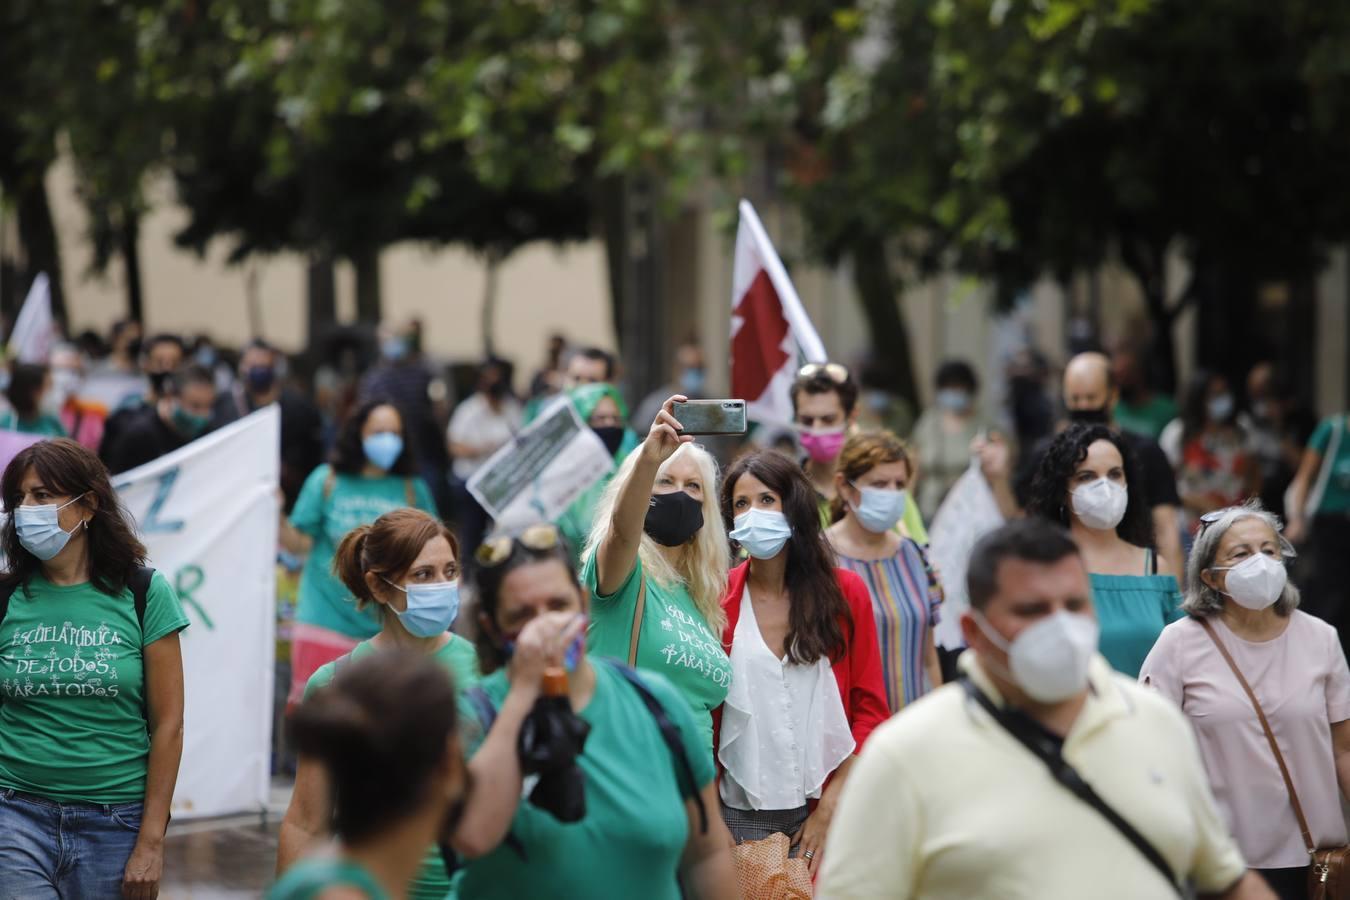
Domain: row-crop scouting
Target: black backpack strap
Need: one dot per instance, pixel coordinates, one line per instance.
(487, 716)
(139, 582)
(684, 771)
(1041, 747)
(6, 592)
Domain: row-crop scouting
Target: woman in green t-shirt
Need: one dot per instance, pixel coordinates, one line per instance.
(384, 736)
(372, 472)
(656, 566)
(91, 679)
(30, 397)
(405, 565)
(643, 833)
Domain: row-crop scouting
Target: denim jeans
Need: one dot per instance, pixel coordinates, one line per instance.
(64, 851)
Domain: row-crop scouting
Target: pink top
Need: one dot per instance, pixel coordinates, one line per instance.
(1303, 683)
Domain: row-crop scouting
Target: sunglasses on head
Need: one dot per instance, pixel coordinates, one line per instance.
(541, 538)
(834, 371)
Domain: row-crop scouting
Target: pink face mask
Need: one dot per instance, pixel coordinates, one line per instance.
(823, 446)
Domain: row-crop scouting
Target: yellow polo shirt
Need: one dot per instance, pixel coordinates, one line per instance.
(944, 803)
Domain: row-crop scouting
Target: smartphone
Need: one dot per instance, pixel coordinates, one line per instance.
(711, 416)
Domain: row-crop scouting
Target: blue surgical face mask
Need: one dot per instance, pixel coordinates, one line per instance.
(383, 449)
(762, 532)
(880, 508)
(692, 381)
(40, 531)
(431, 608)
(954, 400)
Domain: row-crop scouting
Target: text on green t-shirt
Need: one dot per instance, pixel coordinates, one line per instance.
(674, 640)
(72, 720)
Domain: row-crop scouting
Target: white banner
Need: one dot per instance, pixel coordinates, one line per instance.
(208, 514)
(968, 513)
(544, 468)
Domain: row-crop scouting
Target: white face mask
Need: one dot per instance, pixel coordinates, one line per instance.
(1048, 660)
(1101, 504)
(1255, 583)
(880, 508)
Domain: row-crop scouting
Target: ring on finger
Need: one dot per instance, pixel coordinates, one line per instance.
(809, 854)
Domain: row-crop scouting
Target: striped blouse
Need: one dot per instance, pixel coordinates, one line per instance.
(906, 610)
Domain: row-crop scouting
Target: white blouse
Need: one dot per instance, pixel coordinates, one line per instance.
(784, 729)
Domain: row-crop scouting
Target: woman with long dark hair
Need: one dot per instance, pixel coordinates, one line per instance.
(806, 684)
(1089, 482)
(91, 677)
(372, 471)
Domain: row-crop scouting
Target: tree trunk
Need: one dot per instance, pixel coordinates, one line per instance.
(489, 311)
(367, 264)
(37, 234)
(1148, 263)
(885, 319)
(321, 288)
(129, 236)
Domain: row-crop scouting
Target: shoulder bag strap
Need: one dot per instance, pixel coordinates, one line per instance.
(409, 493)
(637, 620)
(1270, 737)
(1068, 776)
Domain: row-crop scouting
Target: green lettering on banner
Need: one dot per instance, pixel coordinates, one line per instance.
(190, 578)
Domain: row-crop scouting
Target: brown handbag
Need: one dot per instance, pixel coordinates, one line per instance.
(1329, 875)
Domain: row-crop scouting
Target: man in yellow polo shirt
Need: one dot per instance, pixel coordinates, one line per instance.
(945, 802)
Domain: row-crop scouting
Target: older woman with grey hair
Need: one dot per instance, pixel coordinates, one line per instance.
(1241, 605)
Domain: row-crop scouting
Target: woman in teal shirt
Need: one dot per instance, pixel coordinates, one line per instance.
(642, 834)
(1088, 482)
(406, 566)
(384, 735)
(30, 386)
(372, 472)
(656, 566)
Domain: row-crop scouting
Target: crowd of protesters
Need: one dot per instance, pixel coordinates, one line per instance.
(724, 651)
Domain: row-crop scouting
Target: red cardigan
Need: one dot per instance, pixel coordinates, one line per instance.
(858, 672)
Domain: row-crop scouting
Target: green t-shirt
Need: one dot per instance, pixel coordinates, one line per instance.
(1148, 419)
(674, 640)
(630, 841)
(1336, 499)
(354, 500)
(43, 424)
(461, 660)
(72, 722)
(311, 877)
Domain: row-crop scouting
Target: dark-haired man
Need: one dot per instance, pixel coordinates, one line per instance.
(824, 409)
(956, 798)
(182, 414)
(589, 365)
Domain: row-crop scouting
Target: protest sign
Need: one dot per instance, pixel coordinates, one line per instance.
(968, 513)
(34, 330)
(544, 468)
(208, 515)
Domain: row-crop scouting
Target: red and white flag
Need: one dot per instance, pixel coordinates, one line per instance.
(771, 334)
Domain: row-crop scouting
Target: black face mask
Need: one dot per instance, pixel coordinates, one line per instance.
(611, 436)
(1099, 416)
(159, 382)
(673, 519)
(497, 390)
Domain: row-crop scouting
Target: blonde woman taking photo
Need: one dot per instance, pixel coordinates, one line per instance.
(656, 565)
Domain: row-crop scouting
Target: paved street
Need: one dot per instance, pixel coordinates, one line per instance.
(224, 859)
